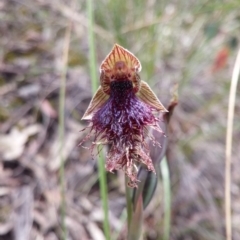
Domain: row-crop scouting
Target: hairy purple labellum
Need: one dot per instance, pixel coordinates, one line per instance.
(123, 115)
(121, 112)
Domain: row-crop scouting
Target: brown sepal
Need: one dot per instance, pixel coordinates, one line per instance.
(148, 96)
(97, 101)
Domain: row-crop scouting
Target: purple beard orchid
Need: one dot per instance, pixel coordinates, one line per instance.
(121, 113)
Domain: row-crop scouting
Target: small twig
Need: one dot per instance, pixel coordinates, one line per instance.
(231, 105)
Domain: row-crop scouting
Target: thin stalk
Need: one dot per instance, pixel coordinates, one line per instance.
(123, 218)
(136, 229)
(92, 55)
(128, 202)
(104, 194)
(167, 198)
(231, 105)
(93, 74)
(61, 127)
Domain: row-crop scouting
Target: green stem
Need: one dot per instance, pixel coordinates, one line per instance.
(104, 195)
(128, 202)
(101, 167)
(92, 56)
(61, 129)
(167, 198)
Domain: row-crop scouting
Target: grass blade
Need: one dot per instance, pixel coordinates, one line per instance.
(92, 55)
(231, 105)
(61, 127)
(167, 198)
(93, 74)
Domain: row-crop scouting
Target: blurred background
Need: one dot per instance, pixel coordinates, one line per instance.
(192, 43)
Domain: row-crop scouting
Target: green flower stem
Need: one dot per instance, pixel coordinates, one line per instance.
(128, 202)
(135, 230)
(93, 74)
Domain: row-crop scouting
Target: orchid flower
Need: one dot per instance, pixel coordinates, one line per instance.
(121, 113)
